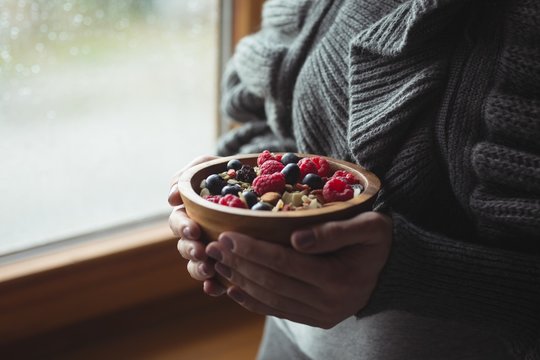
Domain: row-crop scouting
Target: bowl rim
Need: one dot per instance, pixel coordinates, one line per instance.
(186, 190)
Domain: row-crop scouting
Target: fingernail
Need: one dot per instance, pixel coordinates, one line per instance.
(227, 242)
(236, 295)
(214, 253)
(187, 233)
(304, 239)
(223, 270)
(203, 269)
(192, 253)
(173, 190)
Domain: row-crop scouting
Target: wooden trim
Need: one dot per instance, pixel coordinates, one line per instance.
(247, 18)
(52, 291)
(191, 325)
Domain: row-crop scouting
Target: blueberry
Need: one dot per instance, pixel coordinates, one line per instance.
(234, 164)
(231, 189)
(292, 173)
(262, 206)
(214, 184)
(250, 197)
(313, 181)
(289, 158)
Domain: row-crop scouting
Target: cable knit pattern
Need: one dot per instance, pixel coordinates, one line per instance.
(507, 198)
(386, 94)
(441, 99)
(408, 26)
(500, 165)
(513, 119)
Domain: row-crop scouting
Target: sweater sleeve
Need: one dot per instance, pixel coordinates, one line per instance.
(250, 82)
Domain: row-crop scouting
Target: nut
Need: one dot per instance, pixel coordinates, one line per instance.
(271, 197)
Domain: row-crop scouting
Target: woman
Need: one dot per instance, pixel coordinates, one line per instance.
(441, 99)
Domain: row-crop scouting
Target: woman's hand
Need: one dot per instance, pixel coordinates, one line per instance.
(190, 247)
(327, 275)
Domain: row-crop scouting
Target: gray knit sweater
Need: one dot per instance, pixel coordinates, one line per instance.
(441, 99)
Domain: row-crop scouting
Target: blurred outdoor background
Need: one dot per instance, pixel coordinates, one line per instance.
(100, 103)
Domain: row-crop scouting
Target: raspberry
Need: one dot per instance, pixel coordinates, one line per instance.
(269, 183)
(213, 198)
(278, 157)
(265, 156)
(271, 166)
(231, 173)
(337, 189)
(232, 201)
(346, 176)
(307, 166)
(323, 168)
(246, 174)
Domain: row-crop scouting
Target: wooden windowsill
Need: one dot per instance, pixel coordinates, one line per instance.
(54, 290)
(190, 325)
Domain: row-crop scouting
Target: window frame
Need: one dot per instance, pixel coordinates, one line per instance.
(87, 279)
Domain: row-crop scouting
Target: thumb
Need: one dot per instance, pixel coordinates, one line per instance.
(365, 229)
(174, 196)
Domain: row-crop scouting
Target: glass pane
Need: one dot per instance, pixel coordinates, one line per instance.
(100, 102)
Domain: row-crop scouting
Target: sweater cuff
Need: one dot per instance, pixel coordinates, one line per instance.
(431, 275)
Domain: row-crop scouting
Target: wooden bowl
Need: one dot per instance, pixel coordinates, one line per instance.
(267, 225)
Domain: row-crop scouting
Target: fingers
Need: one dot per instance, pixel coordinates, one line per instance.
(182, 226)
(254, 279)
(296, 312)
(239, 250)
(192, 250)
(213, 287)
(174, 195)
(367, 228)
(189, 246)
(200, 270)
(174, 198)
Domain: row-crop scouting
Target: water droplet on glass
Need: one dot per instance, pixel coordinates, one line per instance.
(68, 6)
(6, 56)
(74, 51)
(36, 69)
(78, 19)
(14, 32)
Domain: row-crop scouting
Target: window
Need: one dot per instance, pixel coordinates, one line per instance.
(100, 102)
(41, 291)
